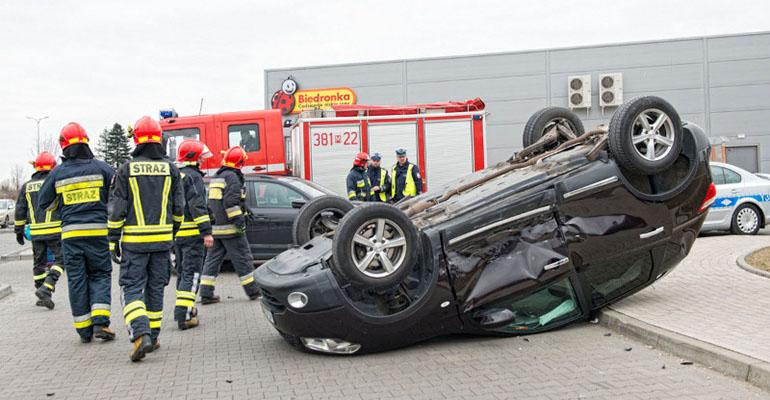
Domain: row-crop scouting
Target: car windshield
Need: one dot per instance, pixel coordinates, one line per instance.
(4, 204)
(310, 188)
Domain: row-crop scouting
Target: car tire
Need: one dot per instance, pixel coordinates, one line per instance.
(319, 216)
(6, 222)
(375, 247)
(543, 120)
(647, 117)
(746, 220)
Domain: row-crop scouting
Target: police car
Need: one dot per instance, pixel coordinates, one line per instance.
(743, 201)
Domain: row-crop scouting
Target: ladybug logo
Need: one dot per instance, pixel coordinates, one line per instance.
(284, 99)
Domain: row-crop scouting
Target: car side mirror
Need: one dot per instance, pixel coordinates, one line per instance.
(299, 203)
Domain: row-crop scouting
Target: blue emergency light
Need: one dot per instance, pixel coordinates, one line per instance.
(168, 113)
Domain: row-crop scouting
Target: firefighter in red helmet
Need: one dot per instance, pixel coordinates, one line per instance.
(227, 196)
(359, 187)
(194, 235)
(44, 230)
(145, 210)
(78, 189)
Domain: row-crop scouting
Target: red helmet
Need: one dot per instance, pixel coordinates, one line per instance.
(72, 133)
(146, 130)
(192, 151)
(44, 161)
(361, 159)
(234, 157)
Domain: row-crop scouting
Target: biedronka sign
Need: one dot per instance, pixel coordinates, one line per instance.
(322, 99)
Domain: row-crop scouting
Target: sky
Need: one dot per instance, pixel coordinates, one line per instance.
(98, 62)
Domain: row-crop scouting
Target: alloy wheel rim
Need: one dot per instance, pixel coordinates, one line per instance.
(378, 248)
(652, 134)
(747, 220)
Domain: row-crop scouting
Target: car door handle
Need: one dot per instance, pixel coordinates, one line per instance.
(651, 233)
(556, 264)
(733, 190)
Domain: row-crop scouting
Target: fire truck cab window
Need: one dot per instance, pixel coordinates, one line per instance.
(246, 136)
(174, 137)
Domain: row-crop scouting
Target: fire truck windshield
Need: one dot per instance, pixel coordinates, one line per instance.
(173, 137)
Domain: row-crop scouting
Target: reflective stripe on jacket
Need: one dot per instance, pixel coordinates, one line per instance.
(196, 221)
(227, 203)
(43, 224)
(78, 189)
(358, 185)
(409, 187)
(380, 175)
(146, 202)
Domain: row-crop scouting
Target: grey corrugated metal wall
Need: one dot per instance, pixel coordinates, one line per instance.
(721, 83)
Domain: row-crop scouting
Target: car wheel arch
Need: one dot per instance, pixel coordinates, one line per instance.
(756, 205)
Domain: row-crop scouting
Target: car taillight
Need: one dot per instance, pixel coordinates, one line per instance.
(711, 195)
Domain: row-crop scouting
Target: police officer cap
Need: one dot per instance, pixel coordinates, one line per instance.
(376, 157)
(401, 151)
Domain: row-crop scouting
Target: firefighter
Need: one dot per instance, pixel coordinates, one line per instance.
(146, 208)
(358, 185)
(406, 178)
(379, 178)
(227, 196)
(194, 235)
(78, 188)
(44, 230)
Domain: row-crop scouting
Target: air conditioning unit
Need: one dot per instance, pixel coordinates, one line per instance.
(579, 91)
(610, 90)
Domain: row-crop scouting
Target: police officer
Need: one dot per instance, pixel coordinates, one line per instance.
(146, 207)
(406, 178)
(227, 196)
(357, 182)
(194, 235)
(79, 188)
(44, 230)
(379, 179)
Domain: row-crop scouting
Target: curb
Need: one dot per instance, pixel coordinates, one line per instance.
(748, 268)
(16, 255)
(5, 290)
(728, 362)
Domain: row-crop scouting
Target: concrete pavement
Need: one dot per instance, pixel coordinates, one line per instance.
(236, 354)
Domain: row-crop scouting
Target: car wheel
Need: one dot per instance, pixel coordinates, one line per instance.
(376, 246)
(6, 222)
(746, 220)
(319, 216)
(645, 135)
(566, 123)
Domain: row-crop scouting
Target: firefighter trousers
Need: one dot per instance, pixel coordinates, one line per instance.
(89, 279)
(240, 255)
(143, 277)
(40, 271)
(190, 253)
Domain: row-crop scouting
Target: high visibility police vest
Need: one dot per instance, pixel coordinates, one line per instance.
(410, 188)
(383, 196)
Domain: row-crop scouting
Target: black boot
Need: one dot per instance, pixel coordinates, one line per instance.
(44, 294)
(209, 300)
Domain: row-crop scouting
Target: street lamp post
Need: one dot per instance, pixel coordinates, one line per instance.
(37, 120)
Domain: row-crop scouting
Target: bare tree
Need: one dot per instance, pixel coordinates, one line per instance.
(49, 143)
(18, 176)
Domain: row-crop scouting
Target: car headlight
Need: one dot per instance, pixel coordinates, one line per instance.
(330, 345)
(297, 299)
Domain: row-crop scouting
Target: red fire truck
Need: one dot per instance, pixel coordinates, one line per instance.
(446, 140)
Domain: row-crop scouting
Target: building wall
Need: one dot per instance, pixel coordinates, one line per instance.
(721, 83)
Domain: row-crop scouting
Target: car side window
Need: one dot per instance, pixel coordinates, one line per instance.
(273, 195)
(731, 176)
(245, 135)
(717, 175)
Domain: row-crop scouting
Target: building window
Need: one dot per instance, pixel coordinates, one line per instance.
(246, 136)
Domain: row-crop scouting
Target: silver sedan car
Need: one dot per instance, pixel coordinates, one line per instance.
(742, 205)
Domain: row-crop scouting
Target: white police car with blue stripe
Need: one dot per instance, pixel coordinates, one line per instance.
(742, 205)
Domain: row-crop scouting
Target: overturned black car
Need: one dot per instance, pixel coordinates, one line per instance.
(572, 223)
